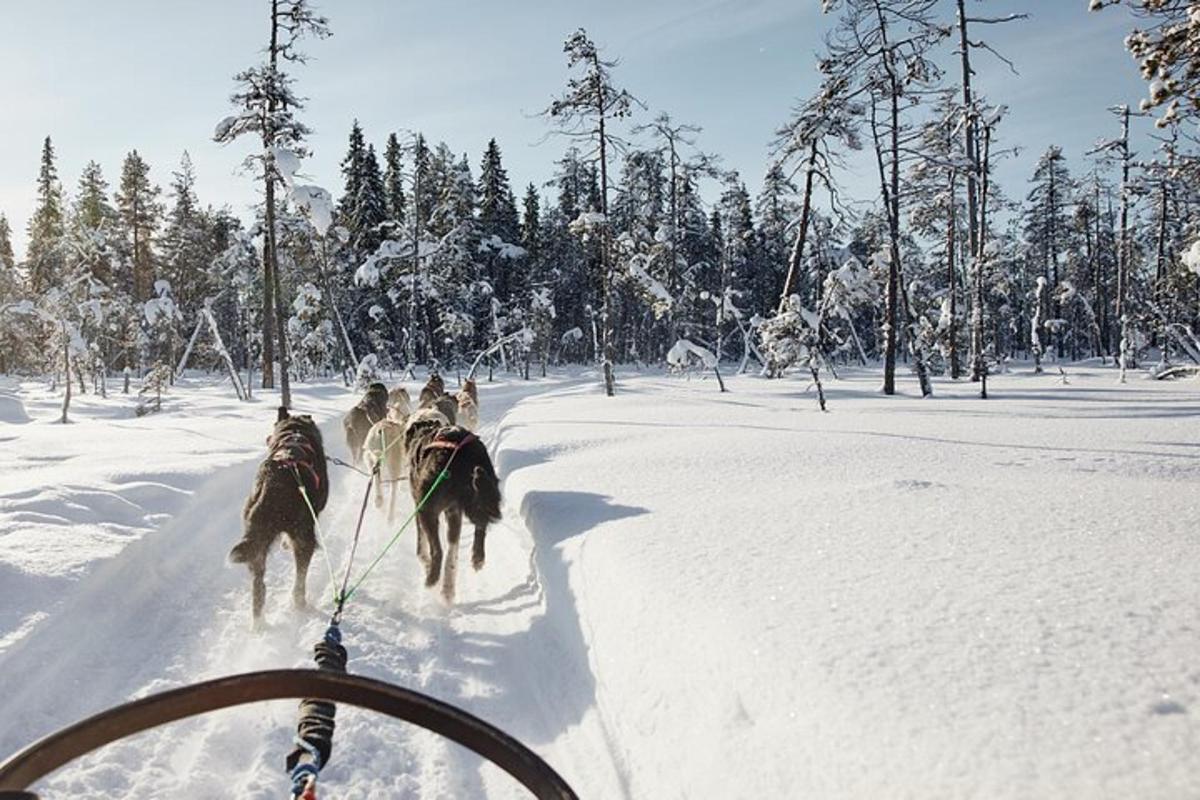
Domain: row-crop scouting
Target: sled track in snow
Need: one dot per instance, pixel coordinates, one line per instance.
(169, 611)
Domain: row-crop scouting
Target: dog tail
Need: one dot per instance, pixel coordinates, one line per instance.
(241, 552)
(487, 496)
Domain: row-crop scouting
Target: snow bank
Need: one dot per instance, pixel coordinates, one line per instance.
(925, 598)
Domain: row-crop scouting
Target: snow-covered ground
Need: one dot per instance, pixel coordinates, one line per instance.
(691, 595)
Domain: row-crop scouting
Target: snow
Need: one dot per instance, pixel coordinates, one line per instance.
(663, 298)
(317, 205)
(679, 353)
(503, 249)
(691, 594)
(225, 126)
(287, 163)
(1191, 258)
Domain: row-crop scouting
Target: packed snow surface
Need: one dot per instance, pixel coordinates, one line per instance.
(692, 594)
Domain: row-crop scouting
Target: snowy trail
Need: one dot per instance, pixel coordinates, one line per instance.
(692, 594)
(505, 652)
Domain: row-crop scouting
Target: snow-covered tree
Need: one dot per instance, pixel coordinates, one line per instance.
(267, 108)
(140, 213)
(586, 111)
(45, 255)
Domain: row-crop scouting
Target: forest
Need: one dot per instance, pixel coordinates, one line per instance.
(644, 248)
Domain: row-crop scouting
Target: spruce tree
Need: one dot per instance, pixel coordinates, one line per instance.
(776, 208)
(45, 257)
(498, 225)
(137, 202)
(370, 209)
(8, 263)
(1046, 221)
(186, 244)
(531, 222)
(94, 226)
(393, 180)
(497, 205)
(352, 174)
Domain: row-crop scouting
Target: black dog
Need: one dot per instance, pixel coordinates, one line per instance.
(357, 424)
(275, 505)
(471, 488)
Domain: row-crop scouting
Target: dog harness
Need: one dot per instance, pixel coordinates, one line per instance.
(449, 444)
(284, 454)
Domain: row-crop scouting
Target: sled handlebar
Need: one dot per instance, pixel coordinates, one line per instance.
(48, 754)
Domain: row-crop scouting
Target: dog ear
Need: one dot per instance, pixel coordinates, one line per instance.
(283, 414)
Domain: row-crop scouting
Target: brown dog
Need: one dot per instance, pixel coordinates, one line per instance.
(372, 408)
(470, 489)
(276, 506)
(434, 388)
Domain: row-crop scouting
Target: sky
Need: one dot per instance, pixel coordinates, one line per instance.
(105, 78)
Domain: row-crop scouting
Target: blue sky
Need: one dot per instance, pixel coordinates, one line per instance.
(104, 78)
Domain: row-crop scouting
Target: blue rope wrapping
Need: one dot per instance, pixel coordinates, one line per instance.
(314, 734)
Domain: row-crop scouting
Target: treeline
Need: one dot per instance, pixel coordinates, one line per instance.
(429, 256)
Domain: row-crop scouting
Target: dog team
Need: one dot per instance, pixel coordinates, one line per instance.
(395, 443)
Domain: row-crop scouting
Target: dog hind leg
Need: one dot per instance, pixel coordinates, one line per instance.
(428, 522)
(302, 548)
(453, 532)
(258, 586)
(477, 554)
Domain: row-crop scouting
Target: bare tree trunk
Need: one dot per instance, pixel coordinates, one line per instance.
(978, 358)
(187, 351)
(285, 389)
(66, 339)
(268, 314)
(970, 136)
(242, 390)
(1037, 324)
(952, 284)
(797, 254)
(413, 303)
(344, 339)
(605, 240)
(889, 313)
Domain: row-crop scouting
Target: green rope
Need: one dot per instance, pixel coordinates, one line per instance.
(317, 530)
(438, 482)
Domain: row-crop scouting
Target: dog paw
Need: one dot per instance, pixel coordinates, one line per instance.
(477, 561)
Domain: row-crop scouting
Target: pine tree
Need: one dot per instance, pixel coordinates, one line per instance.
(370, 206)
(499, 226)
(497, 206)
(8, 263)
(186, 245)
(1046, 220)
(268, 107)
(531, 223)
(586, 110)
(882, 49)
(775, 207)
(393, 180)
(94, 227)
(137, 202)
(44, 258)
(352, 174)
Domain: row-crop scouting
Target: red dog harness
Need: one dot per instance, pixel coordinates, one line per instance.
(439, 443)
